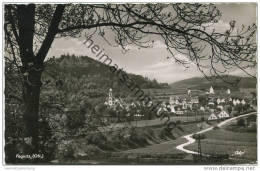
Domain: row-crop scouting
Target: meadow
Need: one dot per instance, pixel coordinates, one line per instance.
(240, 146)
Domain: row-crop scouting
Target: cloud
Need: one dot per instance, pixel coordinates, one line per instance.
(185, 59)
(167, 71)
(220, 26)
(69, 46)
(157, 44)
(160, 65)
(149, 62)
(239, 72)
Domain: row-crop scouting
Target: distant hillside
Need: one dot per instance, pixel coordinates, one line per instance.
(94, 74)
(200, 83)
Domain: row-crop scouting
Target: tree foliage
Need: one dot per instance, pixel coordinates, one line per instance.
(184, 28)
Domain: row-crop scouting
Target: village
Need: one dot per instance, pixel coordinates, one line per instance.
(127, 83)
(208, 106)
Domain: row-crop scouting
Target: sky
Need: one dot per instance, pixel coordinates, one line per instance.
(153, 62)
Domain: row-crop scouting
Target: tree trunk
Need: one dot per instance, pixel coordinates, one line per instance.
(32, 74)
(32, 84)
(33, 66)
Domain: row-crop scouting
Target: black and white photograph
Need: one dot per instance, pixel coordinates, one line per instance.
(129, 83)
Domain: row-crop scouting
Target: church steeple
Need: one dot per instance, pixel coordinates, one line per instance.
(211, 90)
(110, 97)
(189, 92)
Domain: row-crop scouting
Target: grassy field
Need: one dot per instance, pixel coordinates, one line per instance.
(153, 122)
(169, 147)
(148, 145)
(222, 141)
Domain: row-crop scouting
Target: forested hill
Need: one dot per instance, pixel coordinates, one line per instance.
(201, 83)
(95, 74)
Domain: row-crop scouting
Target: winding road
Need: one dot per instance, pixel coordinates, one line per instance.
(192, 140)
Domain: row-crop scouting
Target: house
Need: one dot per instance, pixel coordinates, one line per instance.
(218, 101)
(189, 93)
(138, 103)
(243, 102)
(212, 117)
(168, 107)
(163, 104)
(194, 100)
(189, 105)
(202, 108)
(184, 104)
(177, 101)
(179, 111)
(223, 114)
(172, 109)
(138, 115)
(228, 91)
(118, 102)
(161, 109)
(211, 103)
(133, 104)
(220, 107)
(234, 102)
(172, 100)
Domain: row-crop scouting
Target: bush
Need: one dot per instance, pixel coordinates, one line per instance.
(178, 122)
(92, 150)
(138, 136)
(65, 150)
(241, 122)
(197, 136)
(163, 133)
(215, 127)
(252, 128)
(98, 139)
(75, 120)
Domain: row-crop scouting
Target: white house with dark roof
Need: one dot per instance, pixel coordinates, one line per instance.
(234, 102)
(223, 114)
(212, 117)
(202, 108)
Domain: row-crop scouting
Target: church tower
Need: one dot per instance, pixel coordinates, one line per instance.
(211, 90)
(110, 97)
(189, 93)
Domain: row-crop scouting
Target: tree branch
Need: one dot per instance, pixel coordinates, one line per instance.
(52, 31)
